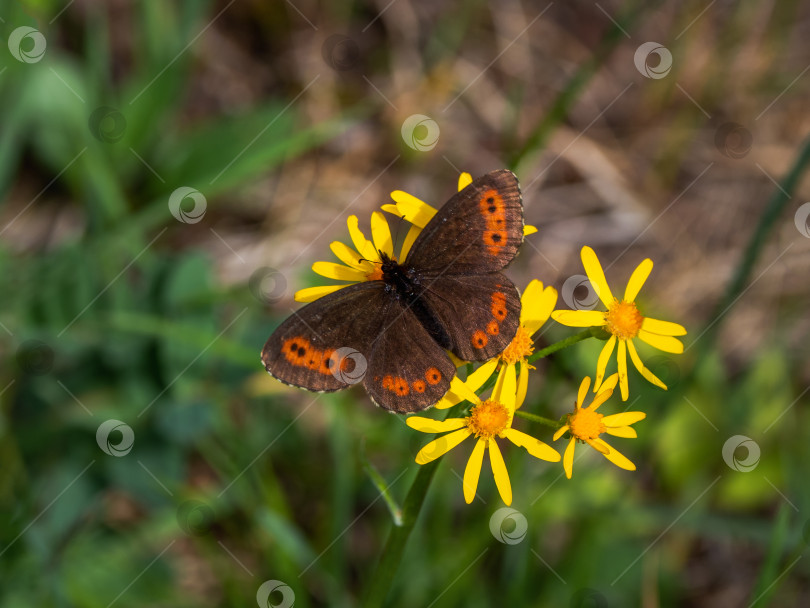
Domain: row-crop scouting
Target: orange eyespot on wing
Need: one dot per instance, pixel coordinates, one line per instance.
(495, 240)
(479, 339)
(433, 376)
(479, 230)
(498, 307)
(401, 386)
(490, 317)
(459, 302)
(493, 211)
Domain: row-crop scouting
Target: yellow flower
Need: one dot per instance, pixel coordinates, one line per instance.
(624, 322)
(363, 262)
(536, 305)
(487, 420)
(359, 264)
(584, 424)
(419, 213)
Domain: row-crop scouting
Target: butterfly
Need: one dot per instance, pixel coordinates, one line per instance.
(392, 334)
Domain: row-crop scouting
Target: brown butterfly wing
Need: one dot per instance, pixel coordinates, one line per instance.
(306, 348)
(479, 230)
(407, 370)
(361, 333)
(479, 314)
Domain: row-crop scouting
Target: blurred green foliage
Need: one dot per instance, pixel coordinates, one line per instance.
(230, 483)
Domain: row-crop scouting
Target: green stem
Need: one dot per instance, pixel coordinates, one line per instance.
(380, 581)
(555, 424)
(553, 348)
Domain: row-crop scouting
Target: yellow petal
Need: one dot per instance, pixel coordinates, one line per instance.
(665, 328)
(622, 431)
(532, 445)
(610, 383)
(428, 425)
(618, 458)
(413, 232)
(583, 390)
(537, 305)
(623, 419)
(579, 318)
(339, 272)
(637, 280)
(381, 234)
(601, 363)
(523, 385)
(456, 361)
(412, 209)
(596, 275)
(459, 391)
(600, 398)
(527, 230)
(477, 379)
(350, 257)
(310, 294)
(648, 375)
(621, 357)
(506, 387)
(668, 344)
(500, 472)
(441, 445)
(568, 458)
(393, 209)
(464, 180)
(599, 446)
(559, 432)
(364, 247)
(473, 470)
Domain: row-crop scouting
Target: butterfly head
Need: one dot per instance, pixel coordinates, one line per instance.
(388, 263)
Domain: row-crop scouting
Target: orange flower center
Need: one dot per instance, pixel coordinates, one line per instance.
(376, 274)
(488, 419)
(623, 319)
(586, 424)
(520, 347)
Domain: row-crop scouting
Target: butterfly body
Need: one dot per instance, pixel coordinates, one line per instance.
(392, 332)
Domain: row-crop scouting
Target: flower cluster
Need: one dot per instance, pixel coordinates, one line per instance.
(505, 378)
